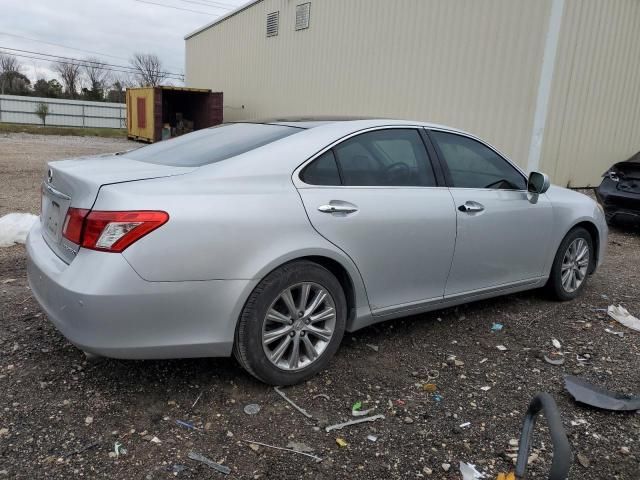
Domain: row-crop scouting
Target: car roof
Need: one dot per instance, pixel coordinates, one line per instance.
(355, 121)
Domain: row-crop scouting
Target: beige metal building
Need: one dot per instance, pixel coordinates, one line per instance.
(554, 84)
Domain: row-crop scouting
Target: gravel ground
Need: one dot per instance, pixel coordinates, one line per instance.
(55, 404)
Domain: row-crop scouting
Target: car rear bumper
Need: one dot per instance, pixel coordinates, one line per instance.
(104, 307)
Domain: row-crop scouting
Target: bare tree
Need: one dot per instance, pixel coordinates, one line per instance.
(70, 76)
(148, 69)
(97, 77)
(9, 70)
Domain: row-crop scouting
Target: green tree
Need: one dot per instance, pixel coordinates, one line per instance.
(42, 110)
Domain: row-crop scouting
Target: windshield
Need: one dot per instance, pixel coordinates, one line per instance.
(211, 145)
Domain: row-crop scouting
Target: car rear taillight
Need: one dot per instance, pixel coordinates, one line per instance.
(73, 222)
(110, 231)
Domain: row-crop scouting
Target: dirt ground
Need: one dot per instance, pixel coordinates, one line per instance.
(61, 416)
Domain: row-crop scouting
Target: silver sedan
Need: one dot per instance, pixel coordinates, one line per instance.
(270, 239)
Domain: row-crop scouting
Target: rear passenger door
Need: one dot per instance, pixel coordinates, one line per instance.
(375, 196)
(503, 231)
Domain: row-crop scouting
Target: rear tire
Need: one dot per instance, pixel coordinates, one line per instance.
(571, 265)
(283, 337)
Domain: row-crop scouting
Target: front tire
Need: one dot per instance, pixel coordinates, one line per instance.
(571, 266)
(292, 324)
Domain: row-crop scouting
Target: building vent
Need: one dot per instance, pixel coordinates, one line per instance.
(272, 24)
(303, 11)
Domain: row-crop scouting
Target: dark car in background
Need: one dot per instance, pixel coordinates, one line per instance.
(619, 192)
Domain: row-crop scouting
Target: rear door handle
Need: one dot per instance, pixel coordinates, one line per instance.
(338, 208)
(471, 207)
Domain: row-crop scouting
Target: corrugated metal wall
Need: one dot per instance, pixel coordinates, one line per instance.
(471, 64)
(67, 113)
(594, 114)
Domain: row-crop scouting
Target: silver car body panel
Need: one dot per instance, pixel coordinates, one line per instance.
(179, 291)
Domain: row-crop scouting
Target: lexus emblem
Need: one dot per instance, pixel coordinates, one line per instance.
(50, 176)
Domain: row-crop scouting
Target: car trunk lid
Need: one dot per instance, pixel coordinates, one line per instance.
(76, 183)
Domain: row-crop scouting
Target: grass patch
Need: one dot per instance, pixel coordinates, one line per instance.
(74, 131)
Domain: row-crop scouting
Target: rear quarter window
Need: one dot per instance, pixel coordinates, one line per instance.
(211, 145)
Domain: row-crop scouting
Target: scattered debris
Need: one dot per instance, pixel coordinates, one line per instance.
(375, 348)
(362, 413)
(446, 466)
(485, 389)
(186, 425)
(506, 476)
(356, 406)
(556, 343)
(621, 315)
(583, 460)
(77, 451)
(502, 348)
(437, 397)
(197, 399)
(292, 403)
(585, 392)
(429, 387)
(469, 472)
(155, 440)
(554, 360)
(251, 442)
(613, 332)
(465, 424)
(339, 426)
(299, 447)
(341, 442)
(119, 449)
(482, 361)
(321, 395)
(88, 420)
(252, 409)
(178, 468)
(625, 450)
(408, 420)
(496, 327)
(372, 438)
(210, 463)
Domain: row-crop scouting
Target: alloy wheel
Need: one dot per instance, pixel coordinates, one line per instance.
(298, 326)
(575, 264)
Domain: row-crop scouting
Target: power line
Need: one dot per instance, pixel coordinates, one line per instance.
(223, 4)
(81, 64)
(175, 8)
(65, 46)
(88, 62)
(205, 5)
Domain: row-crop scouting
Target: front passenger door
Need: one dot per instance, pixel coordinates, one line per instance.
(503, 231)
(375, 196)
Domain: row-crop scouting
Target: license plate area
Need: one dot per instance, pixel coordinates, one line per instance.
(54, 209)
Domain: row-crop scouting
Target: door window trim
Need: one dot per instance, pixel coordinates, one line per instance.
(445, 168)
(440, 181)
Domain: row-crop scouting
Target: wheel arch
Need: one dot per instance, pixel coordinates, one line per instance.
(340, 266)
(593, 231)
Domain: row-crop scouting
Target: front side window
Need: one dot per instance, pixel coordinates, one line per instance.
(474, 165)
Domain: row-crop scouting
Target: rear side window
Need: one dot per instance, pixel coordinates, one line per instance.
(322, 171)
(389, 157)
(211, 145)
(474, 165)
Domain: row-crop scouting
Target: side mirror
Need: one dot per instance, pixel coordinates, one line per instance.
(538, 182)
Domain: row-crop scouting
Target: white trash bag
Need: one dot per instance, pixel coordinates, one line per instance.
(621, 314)
(14, 228)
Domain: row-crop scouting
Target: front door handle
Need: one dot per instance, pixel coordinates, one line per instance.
(471, 207)
(337, 208)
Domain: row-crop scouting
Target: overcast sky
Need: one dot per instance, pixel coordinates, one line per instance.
(113, 29)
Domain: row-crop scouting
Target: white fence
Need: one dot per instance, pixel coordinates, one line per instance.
(67, 113)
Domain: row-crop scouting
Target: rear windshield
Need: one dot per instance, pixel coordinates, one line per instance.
(211, 145)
